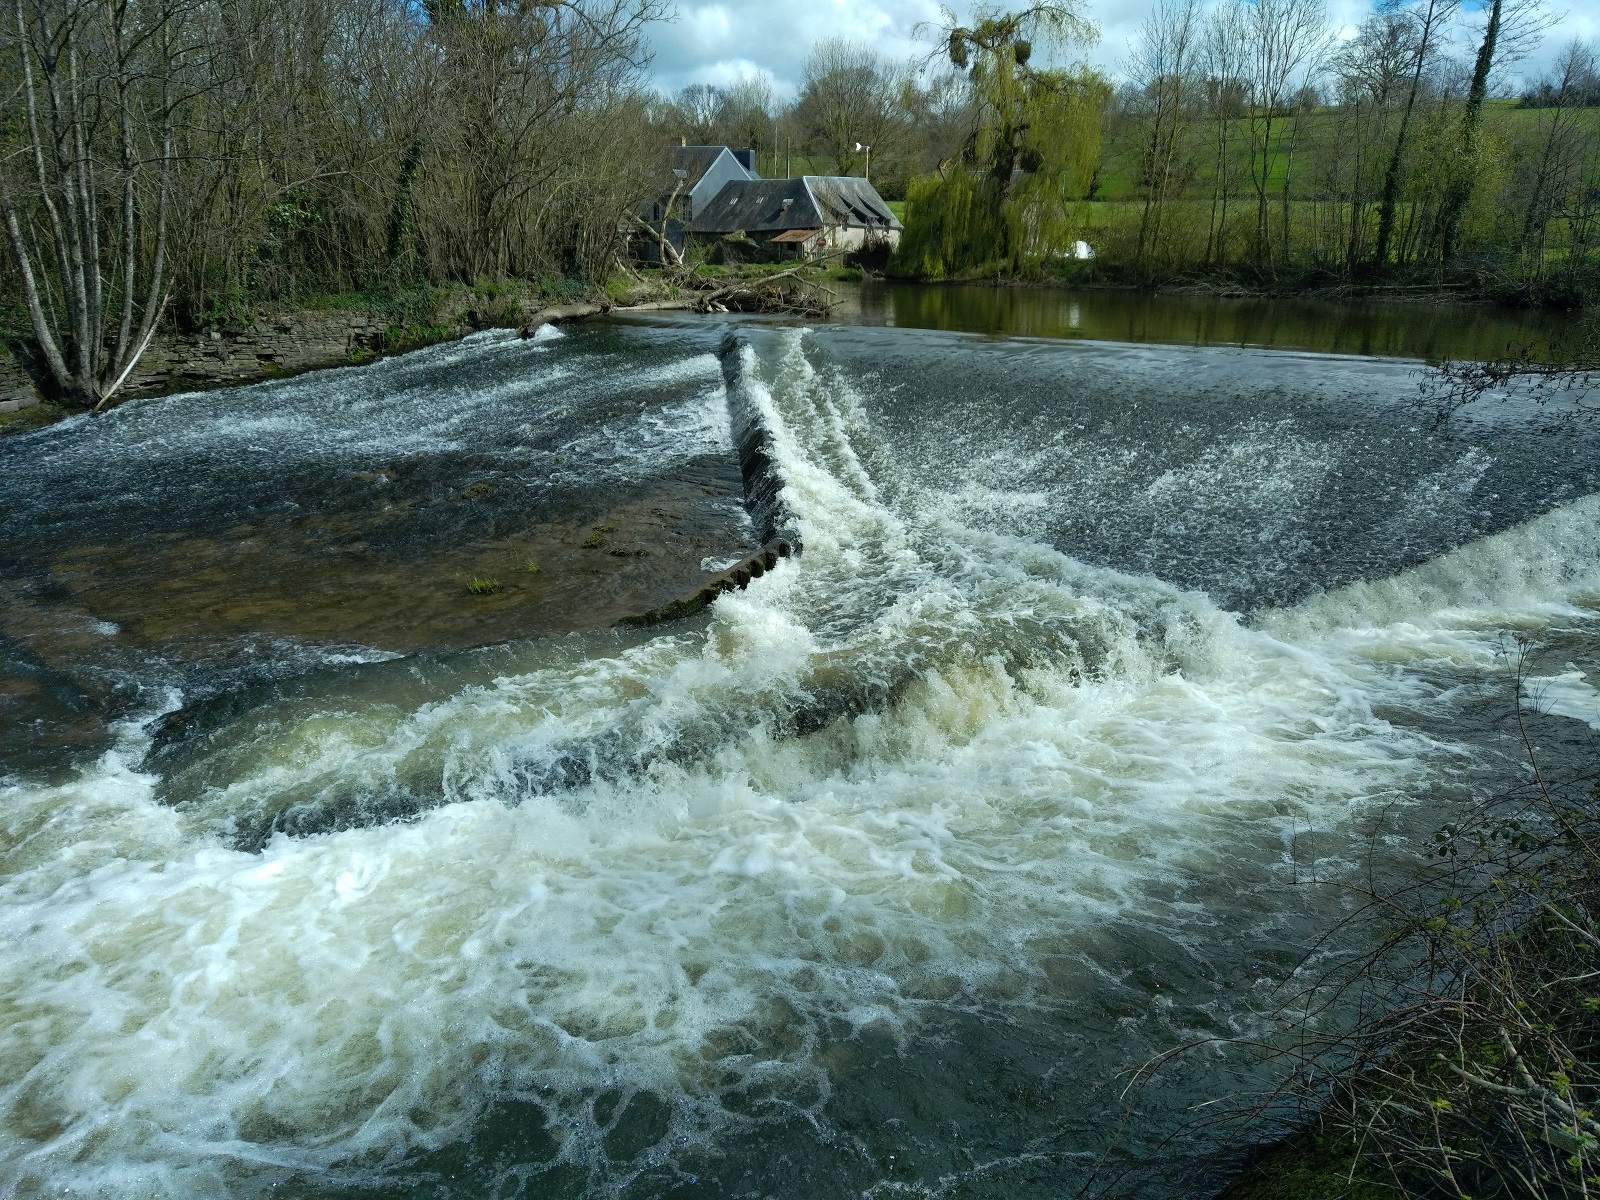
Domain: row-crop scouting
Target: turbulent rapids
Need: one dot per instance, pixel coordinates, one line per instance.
(872, 878)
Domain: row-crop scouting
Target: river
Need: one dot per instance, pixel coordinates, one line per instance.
(1104, 668)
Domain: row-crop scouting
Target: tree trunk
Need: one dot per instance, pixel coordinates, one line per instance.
(80, 66)
(1391, 175)
(1459, 192)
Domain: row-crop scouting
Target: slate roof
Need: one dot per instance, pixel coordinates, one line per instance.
(815, 202)
(850, 200)
(759, 205)
(694, 161)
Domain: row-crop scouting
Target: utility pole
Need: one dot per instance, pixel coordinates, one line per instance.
(868, 149)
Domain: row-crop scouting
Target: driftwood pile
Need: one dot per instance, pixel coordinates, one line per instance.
(786, 292)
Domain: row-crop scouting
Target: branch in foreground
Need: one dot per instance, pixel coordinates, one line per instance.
(1568, 370)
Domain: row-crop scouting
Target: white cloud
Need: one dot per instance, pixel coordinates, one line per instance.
(721, 41)
(717, 41)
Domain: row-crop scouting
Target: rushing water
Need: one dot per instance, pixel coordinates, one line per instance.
(874, 879)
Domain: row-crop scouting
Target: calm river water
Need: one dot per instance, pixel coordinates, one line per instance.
(874, 880)
(1365, 327)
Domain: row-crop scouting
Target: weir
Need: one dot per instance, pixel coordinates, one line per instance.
(184, 742)
(1103, 677)
(753, 438)
(777, 528)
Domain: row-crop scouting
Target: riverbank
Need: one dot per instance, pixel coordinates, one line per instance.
(349, 330)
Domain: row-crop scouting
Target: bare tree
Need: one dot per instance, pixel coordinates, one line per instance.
(1509, 30)
(1559, 152)
(851, 96)
(1287, 39)
(746, 117)
(1226, 95)
(939, 108)
(699, 109)
(1373, 73)
(522, 79)
(1163, 70)
(1427, 21)
(86, 188)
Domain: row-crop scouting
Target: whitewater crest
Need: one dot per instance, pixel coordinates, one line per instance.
(651, 885)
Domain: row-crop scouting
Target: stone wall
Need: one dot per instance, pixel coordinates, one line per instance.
(278, 345)
(16, 389)
(281, 344)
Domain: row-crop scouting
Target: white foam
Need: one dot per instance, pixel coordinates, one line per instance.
(1013, 749)
(1565, 695)
(197, 1004)
(1458, 607)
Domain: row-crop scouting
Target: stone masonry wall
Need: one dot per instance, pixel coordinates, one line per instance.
(281, 344)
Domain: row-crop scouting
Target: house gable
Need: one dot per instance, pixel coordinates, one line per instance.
(706, 171)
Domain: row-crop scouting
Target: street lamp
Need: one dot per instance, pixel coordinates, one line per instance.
(868, 149)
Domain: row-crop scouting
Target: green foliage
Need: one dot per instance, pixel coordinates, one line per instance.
(559, 289)
(1311, 1166)
(293, 214)
(953, 224)
(397, 339)
(483, 587)
(497, 304)
(1006, 203)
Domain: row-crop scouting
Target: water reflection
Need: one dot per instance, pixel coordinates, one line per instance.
(1374, 328)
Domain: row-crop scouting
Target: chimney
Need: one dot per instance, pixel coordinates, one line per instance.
(747, 160)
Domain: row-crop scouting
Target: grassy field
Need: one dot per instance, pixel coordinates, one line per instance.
(1119, 158)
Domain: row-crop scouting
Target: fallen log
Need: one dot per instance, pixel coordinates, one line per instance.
(562, 313)
(797, 295)
(559, 313)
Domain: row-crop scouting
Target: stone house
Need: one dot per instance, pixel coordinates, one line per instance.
(801, 218)
(723, 201)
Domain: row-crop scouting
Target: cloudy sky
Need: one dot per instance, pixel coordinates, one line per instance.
(719, 41)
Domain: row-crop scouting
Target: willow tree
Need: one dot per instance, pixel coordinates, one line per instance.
(1004, 202)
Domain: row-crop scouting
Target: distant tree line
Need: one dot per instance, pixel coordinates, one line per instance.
(1245, 141)
(189, 160)
(850, 95)
(192, 158)
(1255, 141)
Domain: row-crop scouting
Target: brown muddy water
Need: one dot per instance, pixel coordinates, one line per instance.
(1106, 667)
